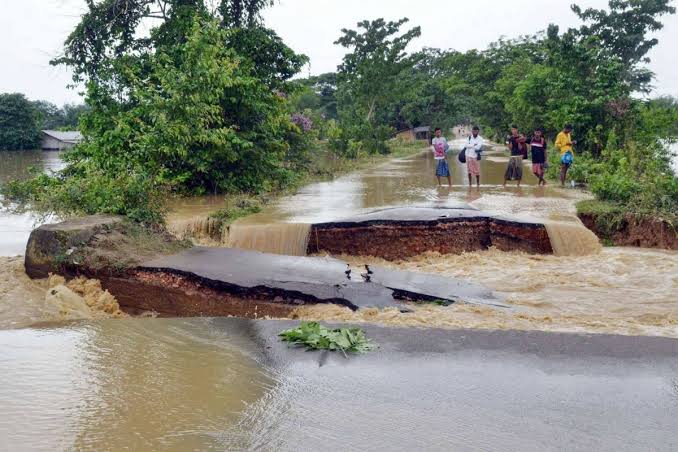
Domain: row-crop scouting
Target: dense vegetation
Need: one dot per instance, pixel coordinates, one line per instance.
(18, 122)
(22, 120)
(205, 102)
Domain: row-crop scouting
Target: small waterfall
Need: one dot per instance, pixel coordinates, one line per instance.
(204, 230)
(571, 238)
(281, 238)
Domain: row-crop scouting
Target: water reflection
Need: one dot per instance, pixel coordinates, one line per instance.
(139, 384)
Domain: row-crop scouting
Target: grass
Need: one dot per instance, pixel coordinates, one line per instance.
(122, 246)
(314, 336)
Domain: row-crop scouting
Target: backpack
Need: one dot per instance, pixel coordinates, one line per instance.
(462, 156)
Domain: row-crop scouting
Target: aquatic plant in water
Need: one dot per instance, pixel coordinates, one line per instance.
(314, 336)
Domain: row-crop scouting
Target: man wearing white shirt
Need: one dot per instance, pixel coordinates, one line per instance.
(473, 148)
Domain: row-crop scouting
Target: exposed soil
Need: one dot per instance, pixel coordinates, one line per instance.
(645, 233)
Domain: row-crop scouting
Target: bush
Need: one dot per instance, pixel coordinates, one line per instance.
(132, 195)
(614, 187)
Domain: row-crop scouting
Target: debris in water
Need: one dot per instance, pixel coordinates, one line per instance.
(314, 336)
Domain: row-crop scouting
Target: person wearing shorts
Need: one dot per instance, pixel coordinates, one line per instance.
(473, 149)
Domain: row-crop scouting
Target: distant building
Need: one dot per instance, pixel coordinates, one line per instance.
(54, 140)
(416, 133)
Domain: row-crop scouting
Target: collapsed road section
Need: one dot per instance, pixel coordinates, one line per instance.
(148, 271)
(403, 232)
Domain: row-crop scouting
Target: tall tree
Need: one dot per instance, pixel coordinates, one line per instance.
(368, 75)
(623, 30)
(18, 122)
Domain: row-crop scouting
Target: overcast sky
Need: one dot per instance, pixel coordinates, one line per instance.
(32, 32)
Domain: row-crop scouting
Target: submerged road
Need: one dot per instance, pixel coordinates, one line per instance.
(472, 390)
(230, 384)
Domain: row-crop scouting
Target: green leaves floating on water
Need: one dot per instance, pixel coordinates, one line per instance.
(314, 336)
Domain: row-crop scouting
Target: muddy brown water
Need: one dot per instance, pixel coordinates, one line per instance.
(227, 384)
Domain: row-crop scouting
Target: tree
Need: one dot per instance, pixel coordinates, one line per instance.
(199, 120)
(318, 93)
(369, 73)
(111, 29)
(50, 116)
(623, 33)
(72, 114)
(225, 135)
(18, 122)
(368, 76)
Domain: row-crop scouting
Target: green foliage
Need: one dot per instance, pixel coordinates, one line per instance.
(318, 94)
(314, 336)
(622, 31)
(92, 192)
(368, 80)
(237, 207)
(19, 121)
(609, 217)
(51, 117)
(197, 112)
(198, 121)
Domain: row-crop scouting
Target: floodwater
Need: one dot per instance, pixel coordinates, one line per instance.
(229, 384)
(15, 229)
(581, 289)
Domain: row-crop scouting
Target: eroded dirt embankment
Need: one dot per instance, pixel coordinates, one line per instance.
(631, 231)
(404, 232)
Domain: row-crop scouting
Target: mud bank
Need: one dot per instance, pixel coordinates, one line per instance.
(399, 233)
(202, 281)
(629, 231)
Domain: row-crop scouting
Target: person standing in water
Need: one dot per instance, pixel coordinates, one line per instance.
(538, 150)
(517, 145)
(564, 143)
(473, 147)
(440, 148)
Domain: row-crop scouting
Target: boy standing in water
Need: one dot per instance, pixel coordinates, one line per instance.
(440, 147)
(473, 148)
(564, 144)
(538, 149)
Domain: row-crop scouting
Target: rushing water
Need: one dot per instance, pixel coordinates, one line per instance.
(206, 384)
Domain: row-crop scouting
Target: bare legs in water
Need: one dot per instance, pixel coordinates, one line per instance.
(470, 180)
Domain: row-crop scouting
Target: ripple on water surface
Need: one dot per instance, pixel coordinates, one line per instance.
(137, 384)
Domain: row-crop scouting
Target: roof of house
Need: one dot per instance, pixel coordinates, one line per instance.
(70, 136)
(422, 129)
